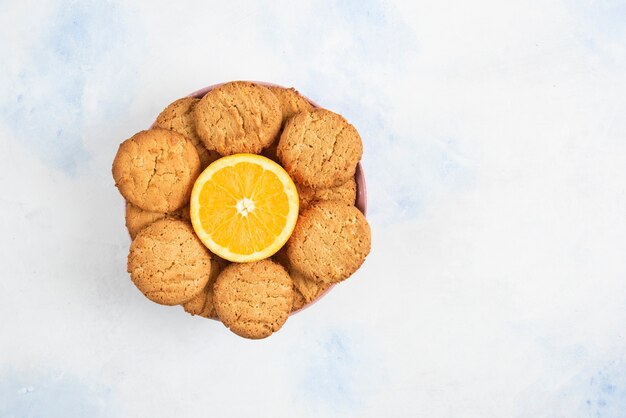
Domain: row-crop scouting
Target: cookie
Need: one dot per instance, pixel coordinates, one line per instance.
(253, 299)
(238, 117)
(178, 117)
(137, 218)
(202, 304)
(310, 290)
(330, 242)
(155, 170)
(298, 300)
(305, 290)
(345, 193)
(291, 102)
(168, 263)
(271, 151)
(281, 258)
(320, 149)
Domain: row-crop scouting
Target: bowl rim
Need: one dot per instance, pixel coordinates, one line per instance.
(359, 176)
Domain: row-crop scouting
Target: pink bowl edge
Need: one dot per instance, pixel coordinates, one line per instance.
(359, 176)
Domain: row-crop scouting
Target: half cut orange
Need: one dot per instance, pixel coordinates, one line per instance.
(244, 207)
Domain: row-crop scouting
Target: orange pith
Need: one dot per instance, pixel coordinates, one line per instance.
(244, 207)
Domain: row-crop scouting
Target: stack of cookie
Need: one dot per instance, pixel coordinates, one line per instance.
(155, 171)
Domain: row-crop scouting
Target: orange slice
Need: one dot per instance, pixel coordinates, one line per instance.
(244, 207)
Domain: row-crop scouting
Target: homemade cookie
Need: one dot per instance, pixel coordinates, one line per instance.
(168, 263)
(253, 299)
(309, 289)
(305, 290)
(330, 242)
(291, 102)
(238, 117)
(155, 170)
(202, 304)
(320, 149)
(298, 300)
(281, 258)
(345, 193)
(178, 117)
(137, 218)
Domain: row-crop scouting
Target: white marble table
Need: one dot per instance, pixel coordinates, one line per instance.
(495, 154)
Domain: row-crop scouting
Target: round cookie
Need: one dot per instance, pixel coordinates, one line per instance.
(137, 218)
(281, 257)
(298, 300)
(308, 289)
(155, 170)
(238, 117)
(253, 299)
(345, 193)
(320, 149)
(168, 263)
(330, 242)
(291, 102)
(202, 303)
(178, 117)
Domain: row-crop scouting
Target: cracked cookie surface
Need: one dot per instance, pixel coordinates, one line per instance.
(202, 304)
(291, 102)
(178, 117)
(319, 149)
(168, 263)
(238, 117)
(155, 170)
(345, 193)
(137, 218)
(306, 290)
(330, 242)
(253, 299)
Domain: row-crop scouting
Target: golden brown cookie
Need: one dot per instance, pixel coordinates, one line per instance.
(309, 289)
(291, 102)
(320, 149)
(330, 242)
(298, 300)
(137, 218)
(168, 263)
(178, 117)
(202, 304)
(155, 170)
(238, 117)
(281, 257)
(306, 288)
(345, 193)
(253, 299)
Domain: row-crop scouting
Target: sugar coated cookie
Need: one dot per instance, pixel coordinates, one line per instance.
(330, 242)
(238, 117)
(253, 299)
(320, 149)
(168, 263)
(178, 117)
(155, 170)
